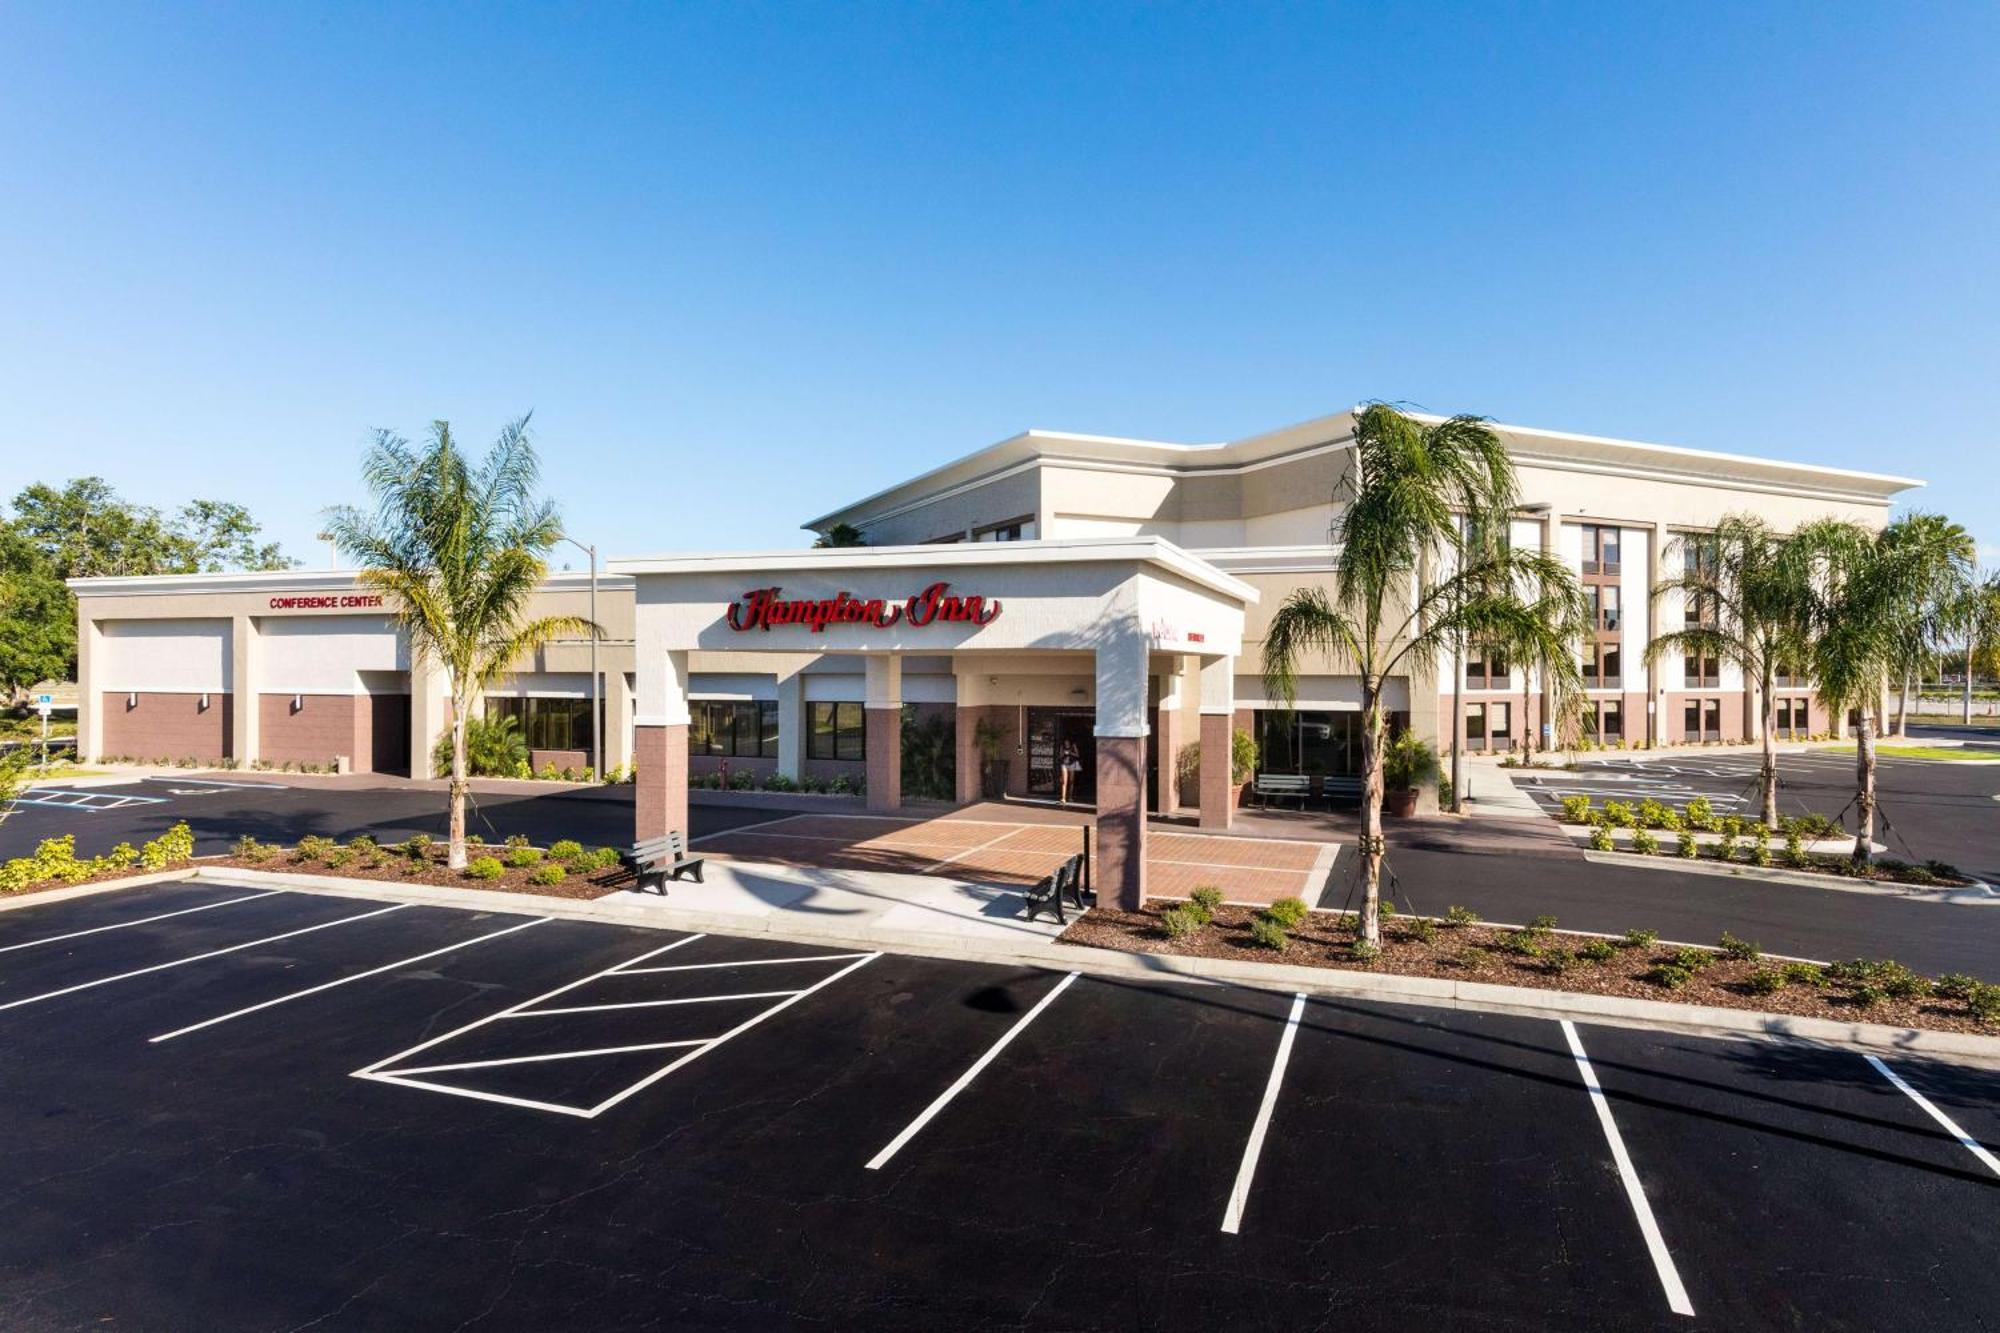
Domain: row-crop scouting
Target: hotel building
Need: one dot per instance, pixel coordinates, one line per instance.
(1048, 591)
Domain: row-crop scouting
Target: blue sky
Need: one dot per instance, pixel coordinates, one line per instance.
(747, 262)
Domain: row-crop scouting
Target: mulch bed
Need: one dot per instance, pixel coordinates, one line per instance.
(394, 867)
(1322, 940)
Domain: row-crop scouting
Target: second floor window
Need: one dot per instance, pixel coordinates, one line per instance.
(1486, 669)
(1603, 607)
(1600, 549)
(1701, 672)
(1603, 667)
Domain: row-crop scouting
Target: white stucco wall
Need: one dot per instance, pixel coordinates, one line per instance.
(164, 656)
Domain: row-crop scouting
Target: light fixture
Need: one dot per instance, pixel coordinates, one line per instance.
(204, 702)
(132, 699)
(298, 703)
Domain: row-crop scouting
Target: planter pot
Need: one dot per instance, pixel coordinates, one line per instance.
(1400, 803)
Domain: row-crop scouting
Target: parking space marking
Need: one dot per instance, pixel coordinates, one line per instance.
(651, 1004)
(746, 962)
(144, 920)
(212, 953)
(89, 802)
(554, 1055)
(342, 981)
(1970, 1144)
(212, 782)
(1656, 1245)
(1239, 1194)
(910, 1130)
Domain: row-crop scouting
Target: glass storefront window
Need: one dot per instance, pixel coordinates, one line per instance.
(836, 731)
(546, 724)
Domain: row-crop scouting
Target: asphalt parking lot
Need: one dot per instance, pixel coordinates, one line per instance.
(234, 1108)
(1935, 810)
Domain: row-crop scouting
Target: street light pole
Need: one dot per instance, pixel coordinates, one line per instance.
(596, 688)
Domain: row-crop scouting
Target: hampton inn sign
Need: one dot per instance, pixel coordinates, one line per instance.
(763, 608)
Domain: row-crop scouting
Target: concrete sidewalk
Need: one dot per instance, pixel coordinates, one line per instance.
(1491, 793)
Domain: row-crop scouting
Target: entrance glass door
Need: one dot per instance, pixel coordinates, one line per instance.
(1049, 731)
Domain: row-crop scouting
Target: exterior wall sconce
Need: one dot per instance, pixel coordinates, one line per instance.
(204, 702)
(131, 701)
(298, 703)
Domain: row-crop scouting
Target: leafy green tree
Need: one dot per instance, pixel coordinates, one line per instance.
(458, 550)
(1408, 583)
(1978, 619)
(37, 619)
(1941, 555)
(85, 529)
(1748, 603)
(494, 748)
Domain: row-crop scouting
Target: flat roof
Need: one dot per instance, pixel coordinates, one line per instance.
(1156, 551)
(1338, 427)
(270, 580)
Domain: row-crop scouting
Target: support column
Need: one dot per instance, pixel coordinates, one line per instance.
(1218, 715)
(428, 707)
(89, 694)
(244, 703)
(883, 711)
(1121, 730)
(792, 725)
(969, 759)
(618, 698)
(1167, 727)
(1656, 677)
(660, 800)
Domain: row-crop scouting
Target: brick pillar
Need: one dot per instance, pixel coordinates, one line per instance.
(1218, 795)
(660, 796)
(968, 756)
(885, 758)
(1167, 727)
(1120, 873)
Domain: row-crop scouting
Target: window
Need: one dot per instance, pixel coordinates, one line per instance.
(1611, 720)
(1711, 719)
(1475, 725)
(1013, 530)
(836, 731)
(1787, 676)
(545, 724)
(1311, 741)
(1499, 732)
(1600, 549)
(733, 729)
(1794, 719)
(1701, 672)
(1603, 606)
(1603, 667)
(1486, 669)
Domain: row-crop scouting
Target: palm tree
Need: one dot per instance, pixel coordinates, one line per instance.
(1385, 614)
(841, 534)
(458, 551)
(1747, 604)
(1979, 621)
(1862, 585)
(1943, 553)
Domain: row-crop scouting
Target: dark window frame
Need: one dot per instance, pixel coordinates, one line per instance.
(836, 729)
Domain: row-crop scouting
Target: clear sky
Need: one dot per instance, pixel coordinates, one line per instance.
(747, 262)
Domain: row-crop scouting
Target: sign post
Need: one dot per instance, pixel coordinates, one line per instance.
(45, 704)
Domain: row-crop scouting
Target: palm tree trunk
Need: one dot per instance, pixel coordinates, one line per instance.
(1903, 709)
(455, 851)
(1968, 680)
(1458, 729)
(1372, 846)
(1767, 775)
(1864, 777)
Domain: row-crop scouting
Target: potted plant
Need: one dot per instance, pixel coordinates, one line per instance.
(988, 737)
(1407, 764)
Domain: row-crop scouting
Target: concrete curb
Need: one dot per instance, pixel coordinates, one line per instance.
(36, 897)
(1977, 894)
(1479, 997)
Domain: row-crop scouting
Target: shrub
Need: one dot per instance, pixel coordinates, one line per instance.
(1652, 814)
(1558, 961)
(361, 842)
(520, 858)
(1421, 929)
(518, 840)
(313, 848)
(339, 857)
(474, 840)
(1645, 842)
(1289, 912)
(1576, 809)
(1456, 916)
(170, 848)
(549, 872)
(1742, 950)
(1765, 981)
(1598, 951)
(743, 780)
(1620, 814)
(1475, 957)
(1182, 920)
(1984, 1004)
(1268, 934)
(1865, 997)
(1943, 870)
(1725, 847)
(494, 748)
(1639, 939)
(1526, 943)
(1669, 976)
(1955, 986)
(1804, 974)
(842, 785)
(1760, 846)
(780, 782)
(1600, 839)
(247, 848)
(484, 867)
(1361, 951)
(416, 848)
(1699, 814)
(549, 772)
(616, 776)
(1690, 958)
(1542, 924)
(1207, 897)
(604, 858)
(565, 850)
(1685, 846)
(1796, 855)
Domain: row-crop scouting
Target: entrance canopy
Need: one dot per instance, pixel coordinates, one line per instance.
(1116, 604)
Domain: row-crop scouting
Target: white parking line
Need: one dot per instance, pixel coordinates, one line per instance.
(1966, 1140)
(651, 1004)
(212, 953)
(1239, 1195)
(744, 962)
(144, 920)
(211, 782)
(910, 1130)
(1656, 1245)
(555, 1055)
(342, 981)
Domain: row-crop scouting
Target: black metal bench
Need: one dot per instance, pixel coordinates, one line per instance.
(1283, 786)
(1341, 789)
(1067, 881)
(654, 861)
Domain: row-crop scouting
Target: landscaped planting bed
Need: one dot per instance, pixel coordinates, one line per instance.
(1694, 832)
(55, 864)
(1733, 975)
(565, 869)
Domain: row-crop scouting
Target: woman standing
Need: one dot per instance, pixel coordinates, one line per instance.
(1072, 764)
